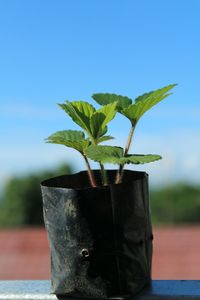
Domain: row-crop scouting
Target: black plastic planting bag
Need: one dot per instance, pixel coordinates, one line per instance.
(100, 238)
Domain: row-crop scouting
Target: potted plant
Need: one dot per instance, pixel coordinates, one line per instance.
(98, 221)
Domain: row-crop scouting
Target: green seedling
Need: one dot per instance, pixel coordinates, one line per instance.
(94, 124)
(134, 110)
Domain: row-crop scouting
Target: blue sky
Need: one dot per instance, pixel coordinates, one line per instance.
(57, 50)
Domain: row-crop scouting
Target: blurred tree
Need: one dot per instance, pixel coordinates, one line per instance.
(176, 204)
(21, 202)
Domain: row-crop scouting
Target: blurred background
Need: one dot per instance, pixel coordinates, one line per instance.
(52, 51)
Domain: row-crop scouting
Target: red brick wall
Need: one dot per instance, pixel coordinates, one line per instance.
(24, 254)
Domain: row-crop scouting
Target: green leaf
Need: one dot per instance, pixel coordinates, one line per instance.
(70, 135)
(104, 131)
(101, 118)
(114, 155)
(104, 154)
(105, 138)
(80, 112)
(144, 96)
(92, 121)
(143, 103)
(106, 98)
(156, 93)
(70, 138)
(139, 158)
(109, 111)
(96, 122)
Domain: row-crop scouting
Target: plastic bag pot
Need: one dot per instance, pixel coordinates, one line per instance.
(100, 238)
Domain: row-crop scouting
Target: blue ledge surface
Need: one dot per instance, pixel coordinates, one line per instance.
(159, 290)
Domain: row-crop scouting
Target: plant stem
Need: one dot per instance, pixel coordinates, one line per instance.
(129, 140)
(90, 173)
(120, 172)
(103, 171)
(103, 175)
(118, 176)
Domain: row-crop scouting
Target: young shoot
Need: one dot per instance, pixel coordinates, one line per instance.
(94, 123)
(133, 110)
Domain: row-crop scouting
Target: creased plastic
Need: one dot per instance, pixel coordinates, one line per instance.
(100, 238)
